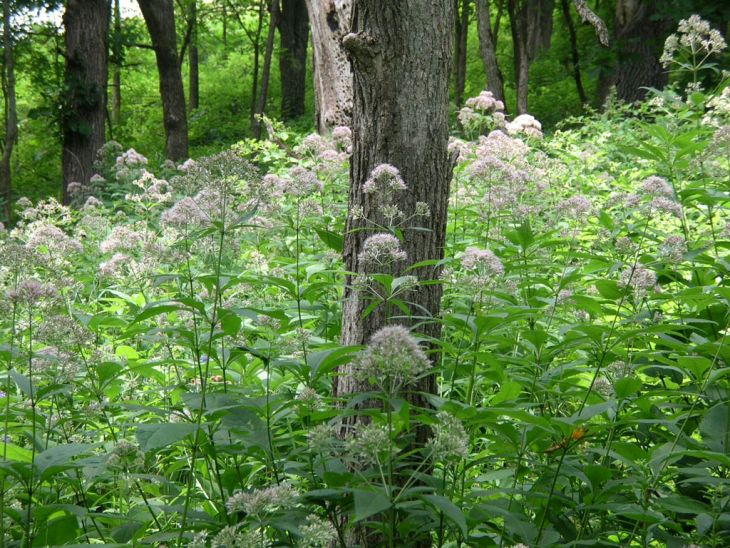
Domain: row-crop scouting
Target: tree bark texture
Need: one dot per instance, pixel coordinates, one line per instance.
(159, 16)
(532, 27)
(117, 64)
(330, 22)
(401, 56)
(265, 76)
(639, 32)
(488, 49)
(11, 114)
(86, 23)
(294, 39)
(574, 52)
(462, 33)
(193, 64)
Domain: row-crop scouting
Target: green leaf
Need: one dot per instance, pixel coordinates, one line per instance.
(626, 386)
(230, 323)
(715, 428)
(450, 510)
(61, 454)
(369, 503)
(333, 240)
(510, 390)
(155, 436)
(126, 352)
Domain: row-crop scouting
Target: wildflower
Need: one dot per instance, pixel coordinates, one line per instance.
(309, 398)
(302, 182)
(113, 266)
(74, 188)
(121, 237)
(467, 117)
(30, 292)
(131, 158)
(482, 259)
(563, 296)
(381, 250)
(199, 540)
(43, 235)
(92, 203)
(618, 369)
(525, 123)
(342, 136)
(603, 386)
(313, 145)
(384, 179)
(695, 36)
(393, 358)
(673, 249)
(262, 501)
(485, 102)
(184, 213)
(639, 279)
(422, 210)
(661, 203)
(624, 245)
(368, 444)
(657, 186)
(229, 537)
(450, 440)
(125, 456)
(575, 207)
(188, 165)
(317, 533)
(320, 439)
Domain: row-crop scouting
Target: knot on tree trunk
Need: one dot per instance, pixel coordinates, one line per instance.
(361, 47)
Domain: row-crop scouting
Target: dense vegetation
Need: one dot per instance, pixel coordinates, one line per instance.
(170, 340)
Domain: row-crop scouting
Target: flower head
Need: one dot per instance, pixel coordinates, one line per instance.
(393, 358)
(384, 179)
(381, 250)
(450, 440)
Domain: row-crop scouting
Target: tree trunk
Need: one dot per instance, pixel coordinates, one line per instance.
(488, 49)
(193, 66)
(462, 33)
(117, 64)
(639, 32)
(330, 21)
(256, 40)
(87, 26)
(518, 26)
(11, 115)
(401, 56)
(261, 102)
(531, 22)
(574, 52)
(159, 16)
(294, 39)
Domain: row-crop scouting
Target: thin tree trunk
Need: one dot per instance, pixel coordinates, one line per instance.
(117, 65)
(11, 115)
(225, 26)
(261, 103)
(574, 52)
(401, 59)
(518, 24)
(488, 48)
(160, 18)
(256, 60)
(330, 21)
(294, 39)
(87, 26)
(462, 33)
(193, 66)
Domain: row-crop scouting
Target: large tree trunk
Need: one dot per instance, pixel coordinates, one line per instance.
(330, 21)
(263, 93)
(159, 16)
(294, 39)
(11, 115)
(488, 48)
(401, 56)
(117, 64)
(574, 52)
(462, 33)
(84, 113)
(193, 65)
(638, 37)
